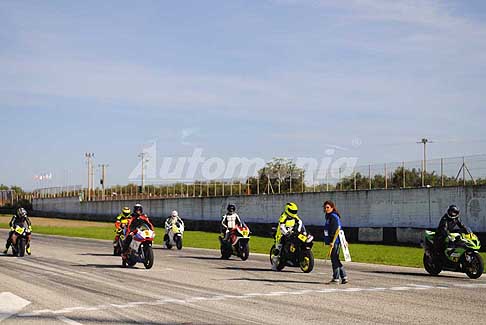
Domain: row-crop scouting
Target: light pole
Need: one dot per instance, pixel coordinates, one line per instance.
(424, 141)
(103, 179)
(143, 157)
(89, 158)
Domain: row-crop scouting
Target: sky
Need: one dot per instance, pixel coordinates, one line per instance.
(267, 78)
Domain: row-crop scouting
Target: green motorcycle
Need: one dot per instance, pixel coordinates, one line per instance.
(461, 255)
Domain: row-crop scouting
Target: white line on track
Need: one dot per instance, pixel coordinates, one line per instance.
(410, 287)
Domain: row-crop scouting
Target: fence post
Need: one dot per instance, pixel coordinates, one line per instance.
(339, 179)
(386, 178)
(403, 176)
(327, 180)
(463, 171)
(369, 176)
(442, 172)
(303, 184)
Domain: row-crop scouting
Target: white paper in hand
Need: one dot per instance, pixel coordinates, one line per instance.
(344, 246)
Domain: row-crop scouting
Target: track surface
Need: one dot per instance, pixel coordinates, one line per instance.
(77, 281)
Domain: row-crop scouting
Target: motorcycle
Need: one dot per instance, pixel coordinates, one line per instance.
(461, 255)
(296, 251)
(174, 235)
(22, 231)
(118, 243)
(140, 249)
(237, 244)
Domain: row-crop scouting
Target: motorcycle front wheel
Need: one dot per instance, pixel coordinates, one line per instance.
(21, 246)
(179, 243)
(306, 262)
(274, 257)
(149, 257)
(475, 266)
(245, 251)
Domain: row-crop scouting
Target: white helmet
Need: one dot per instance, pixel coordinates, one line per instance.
(174, 214)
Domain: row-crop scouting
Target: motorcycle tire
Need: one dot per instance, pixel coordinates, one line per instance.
(281, 262)
(225, 253)
(149, 257)
(179, 244)
(475, 268)
(432, 265)
(169, 246)
(306, 262)
(21, 246)
(245, 251)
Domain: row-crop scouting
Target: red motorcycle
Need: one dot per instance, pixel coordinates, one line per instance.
(238, 243)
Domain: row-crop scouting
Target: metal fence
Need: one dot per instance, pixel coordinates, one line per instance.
(455, 171)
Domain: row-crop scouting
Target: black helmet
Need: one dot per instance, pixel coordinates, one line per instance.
(138, 207)
(21, 212)
(453, 212)
(231, 208)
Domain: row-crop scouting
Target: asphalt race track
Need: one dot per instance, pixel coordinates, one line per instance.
(78, 281)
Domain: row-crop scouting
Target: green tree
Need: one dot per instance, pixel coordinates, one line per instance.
(279, 174)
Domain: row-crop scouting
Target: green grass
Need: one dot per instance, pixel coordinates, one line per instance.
(365, 253)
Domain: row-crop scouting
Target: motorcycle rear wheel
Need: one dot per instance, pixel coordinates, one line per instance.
(225, 252)
(431, 264)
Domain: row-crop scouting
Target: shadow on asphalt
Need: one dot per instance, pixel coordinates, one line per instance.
(101, 266)
(213, 258)
(422, 275)
(276, 281)
(249, 269)
(97, 254)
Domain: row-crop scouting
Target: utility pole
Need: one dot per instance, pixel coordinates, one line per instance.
(89, 158)
(144, 159)
(103, 179)
(424, 141)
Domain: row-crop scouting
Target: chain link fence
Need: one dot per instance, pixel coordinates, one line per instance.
(455, 171)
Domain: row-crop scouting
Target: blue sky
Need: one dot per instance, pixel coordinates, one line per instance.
(245, 78)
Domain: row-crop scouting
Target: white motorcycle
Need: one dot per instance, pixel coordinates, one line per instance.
(174, 234)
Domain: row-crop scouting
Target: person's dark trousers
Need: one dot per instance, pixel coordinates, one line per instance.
(126, 243)
(439, 245)
(9, 240)
(337, 266)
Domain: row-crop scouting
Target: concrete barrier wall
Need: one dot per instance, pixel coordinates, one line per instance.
(401, 208)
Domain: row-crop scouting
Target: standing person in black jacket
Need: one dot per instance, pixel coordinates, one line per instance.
(332, 227)
(447, 224)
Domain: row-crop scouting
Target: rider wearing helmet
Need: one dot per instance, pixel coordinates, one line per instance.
(447, 224)
(18, 219)
(230, 220)
(172, 219)
(136, 220)
(286, 224)
(122, 218)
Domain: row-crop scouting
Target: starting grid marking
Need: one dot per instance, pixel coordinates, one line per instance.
(410, 287)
